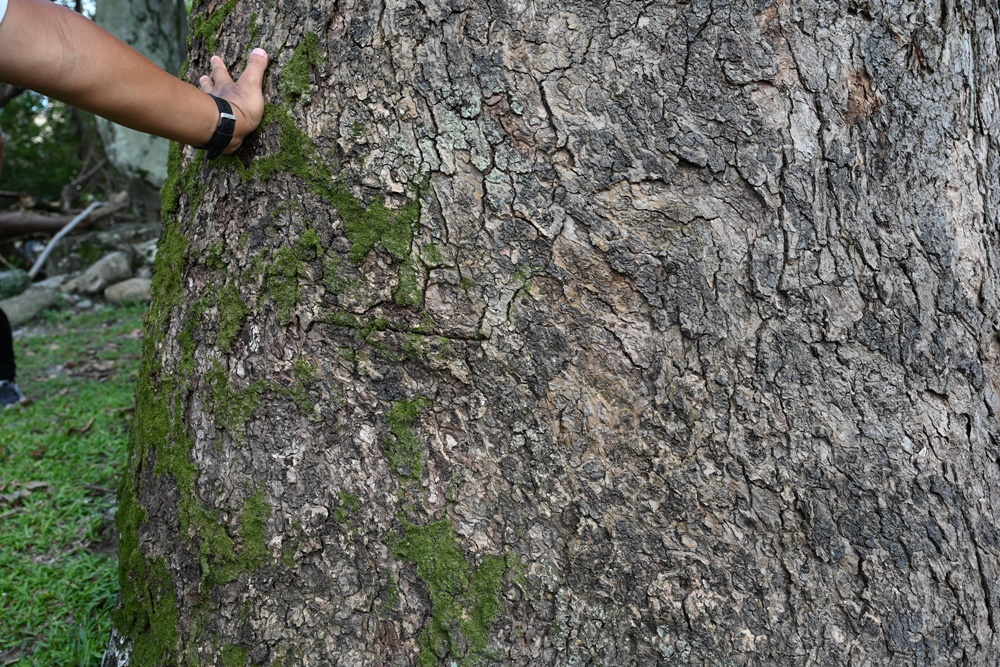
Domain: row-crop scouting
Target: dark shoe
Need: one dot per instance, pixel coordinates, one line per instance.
(9, 393)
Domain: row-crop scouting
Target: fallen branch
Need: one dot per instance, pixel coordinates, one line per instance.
(19, 223)
(50, 246)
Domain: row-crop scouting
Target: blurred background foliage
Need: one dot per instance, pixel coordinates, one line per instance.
(47, 145)
(50, 146)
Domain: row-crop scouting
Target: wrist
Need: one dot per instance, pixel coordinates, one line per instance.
(225, 127)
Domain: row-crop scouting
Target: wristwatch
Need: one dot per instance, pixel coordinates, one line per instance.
(223, 131)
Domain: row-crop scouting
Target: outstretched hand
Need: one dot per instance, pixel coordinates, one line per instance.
(245, 94)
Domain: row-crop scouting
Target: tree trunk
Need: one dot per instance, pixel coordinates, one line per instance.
(574, 333)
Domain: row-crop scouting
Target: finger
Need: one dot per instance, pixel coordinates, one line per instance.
(206, 84)
(220, 73)
(253, 75)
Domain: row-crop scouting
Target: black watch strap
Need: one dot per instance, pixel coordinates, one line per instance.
(223, 132)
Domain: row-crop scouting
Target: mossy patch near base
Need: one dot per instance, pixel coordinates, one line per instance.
(464, 599)
(224, 559)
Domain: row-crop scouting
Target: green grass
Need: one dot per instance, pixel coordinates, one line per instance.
(58, 552)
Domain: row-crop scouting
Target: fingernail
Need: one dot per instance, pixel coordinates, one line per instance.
(259, 52)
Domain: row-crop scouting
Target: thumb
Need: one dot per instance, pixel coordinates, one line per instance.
(253, 75)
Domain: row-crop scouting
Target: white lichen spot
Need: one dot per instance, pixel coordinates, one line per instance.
(254, 338)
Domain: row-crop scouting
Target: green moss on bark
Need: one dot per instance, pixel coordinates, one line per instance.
(294, 80)
(403, 450)
(224, 559)
(186, 339)
(309, 246)
(233, 656)
(181, 181)
(305, 377)
(348, 508)
(365, 227)
(167, 289)
(231, 407)
(284, 271)
(282, 283)
(388, 600)
(407, 291)
(214, 258)
(254, 26)
(232, 314)
(378, 224)
(161, 637)
(464, 600)
(304, 371)
(331, 276)
(147, 611)
(207, 28)
(297, 153)
(431, 255)
(342, 319)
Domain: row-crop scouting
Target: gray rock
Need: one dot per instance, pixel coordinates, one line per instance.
(55, 282)
(110, 269)
(129, 291)
(25, 306)
(78, 251)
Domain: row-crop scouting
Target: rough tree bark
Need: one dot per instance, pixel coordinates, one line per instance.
(565, 333)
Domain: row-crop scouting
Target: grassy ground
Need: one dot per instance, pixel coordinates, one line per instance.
(60, 455)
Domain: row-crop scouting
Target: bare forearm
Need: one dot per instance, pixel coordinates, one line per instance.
(59, 53)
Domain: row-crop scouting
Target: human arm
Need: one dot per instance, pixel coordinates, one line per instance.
(59, 53)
